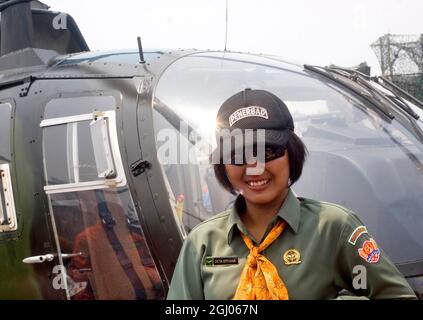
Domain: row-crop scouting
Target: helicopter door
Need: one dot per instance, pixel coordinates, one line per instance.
(103, 252)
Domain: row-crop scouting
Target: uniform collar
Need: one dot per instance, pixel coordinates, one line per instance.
(290, 212)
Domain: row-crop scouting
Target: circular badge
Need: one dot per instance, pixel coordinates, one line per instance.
(292, 256)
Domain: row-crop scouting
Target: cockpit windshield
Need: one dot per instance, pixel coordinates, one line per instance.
(357, 158)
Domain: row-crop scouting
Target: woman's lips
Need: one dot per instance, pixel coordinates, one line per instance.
(258, 185)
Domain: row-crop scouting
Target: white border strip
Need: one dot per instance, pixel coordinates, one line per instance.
(8, 197)
(65, 120)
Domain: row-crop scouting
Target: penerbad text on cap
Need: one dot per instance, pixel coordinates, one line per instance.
(246, 112)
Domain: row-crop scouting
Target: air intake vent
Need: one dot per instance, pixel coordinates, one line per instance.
(27, 25)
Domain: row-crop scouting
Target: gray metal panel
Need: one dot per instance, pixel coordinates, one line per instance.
(27, 57)
(34, 238)
(68, 106)
(5, 131)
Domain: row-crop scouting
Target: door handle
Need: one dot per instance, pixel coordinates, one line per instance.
(49, 257)
(39, 259)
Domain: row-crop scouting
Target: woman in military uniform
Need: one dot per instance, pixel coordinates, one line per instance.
(271, 244)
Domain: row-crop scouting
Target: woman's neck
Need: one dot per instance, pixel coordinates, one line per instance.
(258, 216)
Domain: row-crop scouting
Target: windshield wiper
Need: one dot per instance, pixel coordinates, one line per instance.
(349, 84)
(397, 91)
(365, 80)
(377, 98)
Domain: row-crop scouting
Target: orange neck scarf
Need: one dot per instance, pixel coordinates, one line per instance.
(260, 279)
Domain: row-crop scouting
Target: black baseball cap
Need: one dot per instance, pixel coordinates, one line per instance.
(255, 109)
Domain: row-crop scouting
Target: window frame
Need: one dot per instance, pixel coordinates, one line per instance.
(117, 181)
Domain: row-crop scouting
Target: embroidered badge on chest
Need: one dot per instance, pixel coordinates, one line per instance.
(292, 256)
(220, 261)
(369, 251)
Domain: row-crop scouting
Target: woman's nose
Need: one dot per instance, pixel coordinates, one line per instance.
(251, 161)
(254, 167)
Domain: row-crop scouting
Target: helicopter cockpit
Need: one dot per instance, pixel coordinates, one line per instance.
(357, 156)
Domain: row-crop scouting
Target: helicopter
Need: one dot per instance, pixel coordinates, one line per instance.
(95, 205)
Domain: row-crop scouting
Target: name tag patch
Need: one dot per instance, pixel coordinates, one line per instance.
(220, 261)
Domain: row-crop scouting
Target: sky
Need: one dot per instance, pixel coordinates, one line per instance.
(318, 32)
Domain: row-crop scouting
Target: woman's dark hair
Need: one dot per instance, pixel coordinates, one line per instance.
(297, 152)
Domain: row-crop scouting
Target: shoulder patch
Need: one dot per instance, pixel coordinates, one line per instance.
(356, 234)
(369, 251)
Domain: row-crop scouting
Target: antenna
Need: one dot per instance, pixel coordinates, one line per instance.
(140, 50)
(226, 27)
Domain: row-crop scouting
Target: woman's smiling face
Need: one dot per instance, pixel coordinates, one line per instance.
(270, 186)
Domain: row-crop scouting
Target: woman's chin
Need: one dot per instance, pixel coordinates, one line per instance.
(263, 197)
(259, 198)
